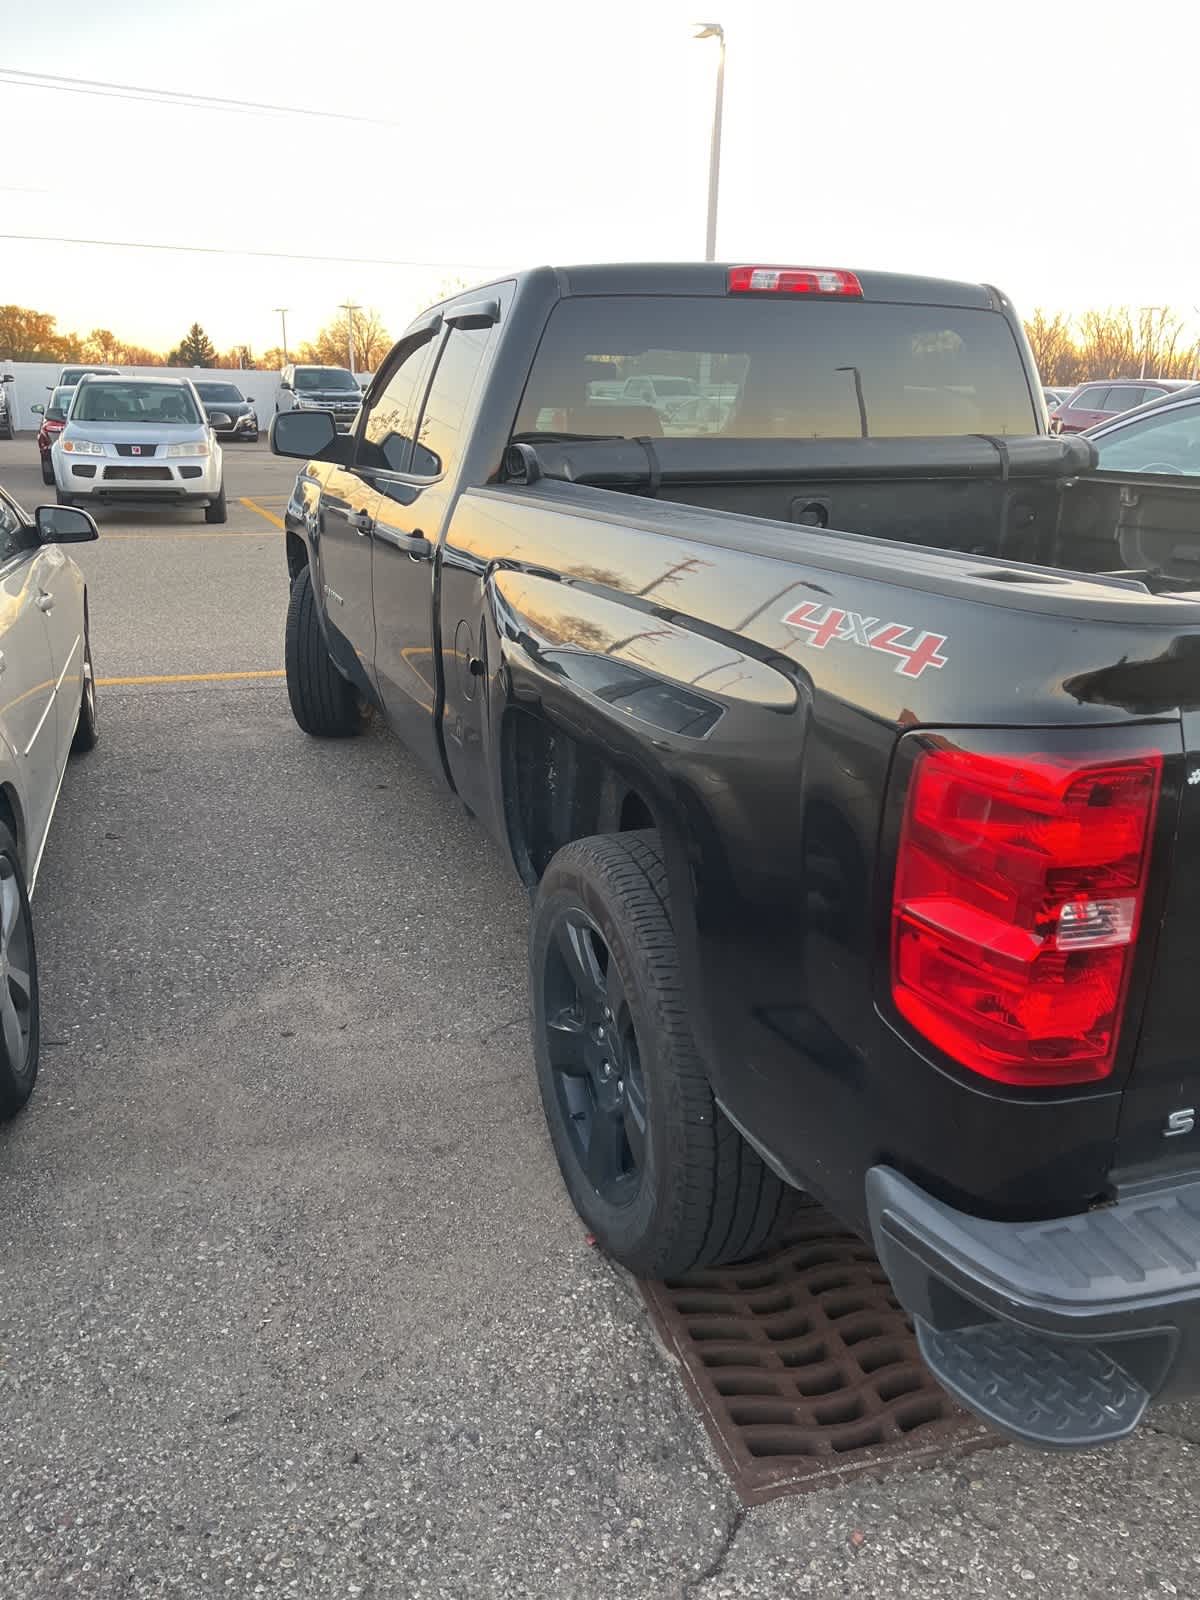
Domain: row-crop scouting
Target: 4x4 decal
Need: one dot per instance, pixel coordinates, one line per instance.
(825, 623)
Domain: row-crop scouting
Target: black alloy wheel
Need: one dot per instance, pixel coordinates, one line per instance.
(18, 984)
(594, 1057)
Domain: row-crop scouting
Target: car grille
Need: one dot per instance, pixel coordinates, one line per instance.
(137, 474)
(136, 449)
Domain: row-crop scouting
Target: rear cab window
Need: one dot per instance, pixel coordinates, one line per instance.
(774, 369)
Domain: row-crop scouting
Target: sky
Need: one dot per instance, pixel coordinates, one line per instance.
(963, 140)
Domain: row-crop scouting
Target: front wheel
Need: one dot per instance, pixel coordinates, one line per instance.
(656, 1171)
(19, 1013)
(47, 470)
(87, 730)
(217, 512)
(322, 701)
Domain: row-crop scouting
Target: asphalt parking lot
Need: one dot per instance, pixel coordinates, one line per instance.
(291, 1301)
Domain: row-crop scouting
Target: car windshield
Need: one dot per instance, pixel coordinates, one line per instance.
(779, 369)
(60, 403)
(126, 400)
(1166, 442)
(310, 378)
(227, 392)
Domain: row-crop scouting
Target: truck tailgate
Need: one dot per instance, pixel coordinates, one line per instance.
(1160, 1118)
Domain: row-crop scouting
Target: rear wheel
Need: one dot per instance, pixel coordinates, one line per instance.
(322, 701)
(18, 984)
(47, 470)
(217, 512)
(656, 1171)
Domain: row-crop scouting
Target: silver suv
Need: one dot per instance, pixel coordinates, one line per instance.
(334, 389)
(140, 440)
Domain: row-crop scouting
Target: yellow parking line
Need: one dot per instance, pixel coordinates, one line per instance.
(185, 533)
(188, 677)
(253, 505)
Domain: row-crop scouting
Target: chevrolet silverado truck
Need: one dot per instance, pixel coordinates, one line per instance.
(851, 757)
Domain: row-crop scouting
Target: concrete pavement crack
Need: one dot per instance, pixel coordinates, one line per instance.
(717, 1565)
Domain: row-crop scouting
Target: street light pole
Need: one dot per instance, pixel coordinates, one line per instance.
(349, 308)
(283, 311)
(714, 30)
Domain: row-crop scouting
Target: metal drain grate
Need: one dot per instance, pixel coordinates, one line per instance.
(804, 1366)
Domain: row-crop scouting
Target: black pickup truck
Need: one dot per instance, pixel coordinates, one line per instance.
(845, 728)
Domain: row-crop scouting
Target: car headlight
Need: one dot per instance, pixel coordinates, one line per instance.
(198, 447)
(82, 447)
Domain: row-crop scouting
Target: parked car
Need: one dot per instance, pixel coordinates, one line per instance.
(54, 416)
(228, 400)
(48, 709)
(141, 440)
(70, 376)
(1054, 397)
(1162, 438)
(849, 769)
(332, 389)
(1092, 403)
(8, 424)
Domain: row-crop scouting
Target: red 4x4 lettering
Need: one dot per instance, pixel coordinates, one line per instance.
(825, 624)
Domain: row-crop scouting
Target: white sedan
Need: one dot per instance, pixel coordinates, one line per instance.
(47, 709)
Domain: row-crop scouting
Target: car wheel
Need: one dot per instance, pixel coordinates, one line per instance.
(86, 729)
(18, 983)
(658, 1174)
(47, 470)
(217, 512)
(323, 702)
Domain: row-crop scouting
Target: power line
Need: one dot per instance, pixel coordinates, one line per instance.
(198, 102)
(218, 250)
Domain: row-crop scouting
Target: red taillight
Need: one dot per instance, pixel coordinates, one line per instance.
(794, 280)
(1018, 892)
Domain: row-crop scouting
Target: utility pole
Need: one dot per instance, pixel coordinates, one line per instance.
(714, 30)
(1147, 312)
(350, 308)
(283, 311)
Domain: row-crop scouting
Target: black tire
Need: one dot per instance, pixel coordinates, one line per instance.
(19, 1010)
(690, 1191)
(217, 512)
(87, 730)
(47, 470)
(323, 702)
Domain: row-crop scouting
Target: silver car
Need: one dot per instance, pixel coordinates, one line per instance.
(47, 709)
(140, 440)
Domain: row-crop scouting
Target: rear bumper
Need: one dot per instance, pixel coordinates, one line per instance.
(1059, 1332)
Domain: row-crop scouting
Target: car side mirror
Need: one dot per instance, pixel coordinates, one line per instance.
(38, 410)
(285, 386)
(310, 436)
(220, 419)
(249, 399)
(7, 378)
(65, 525)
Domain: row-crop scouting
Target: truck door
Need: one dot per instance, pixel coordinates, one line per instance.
(408, 520)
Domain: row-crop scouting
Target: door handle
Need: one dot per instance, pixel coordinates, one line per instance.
(45, 601)
(414, 544)
(360, 521)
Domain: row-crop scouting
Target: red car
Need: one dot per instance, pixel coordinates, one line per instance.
(54, 417)
(1108, 397)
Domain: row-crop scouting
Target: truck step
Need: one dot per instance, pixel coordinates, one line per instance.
(1044, 1391)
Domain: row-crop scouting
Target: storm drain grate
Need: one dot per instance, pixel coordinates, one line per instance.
(804, 1366)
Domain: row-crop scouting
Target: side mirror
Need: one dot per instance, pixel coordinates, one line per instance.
(310, 436)
(249, 399)
(285, 386)
(7, 378)
(65, 525)
(38, 410)
(220, 419)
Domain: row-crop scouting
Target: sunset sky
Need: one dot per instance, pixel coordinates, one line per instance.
(961, 140)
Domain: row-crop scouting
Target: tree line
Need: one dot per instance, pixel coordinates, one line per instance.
(28, 335)
(1121, 342)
